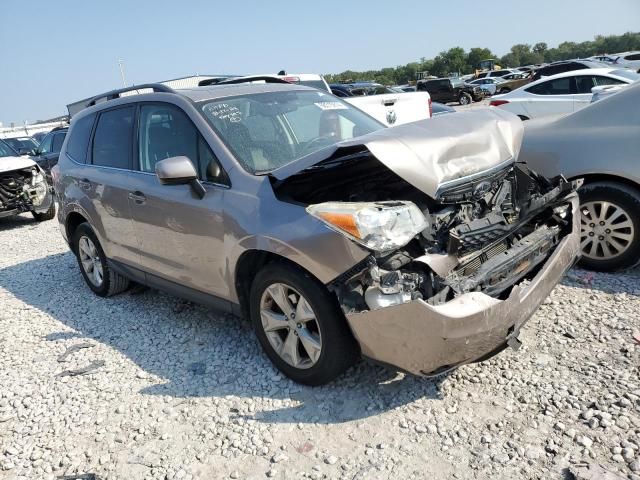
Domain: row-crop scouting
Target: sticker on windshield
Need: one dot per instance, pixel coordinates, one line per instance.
(331, 106)
(224, 111)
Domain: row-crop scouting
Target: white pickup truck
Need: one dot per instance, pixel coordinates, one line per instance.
(382, 103)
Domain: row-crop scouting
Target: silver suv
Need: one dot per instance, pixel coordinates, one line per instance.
(424, 246)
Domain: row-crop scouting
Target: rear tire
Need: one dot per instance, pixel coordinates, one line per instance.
(610, 236)
(332, 349)
(48, 215)
(95, 269)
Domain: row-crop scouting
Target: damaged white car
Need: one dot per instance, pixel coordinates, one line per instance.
(23, 187)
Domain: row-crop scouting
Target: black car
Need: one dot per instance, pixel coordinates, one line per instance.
(46, 155)
(565, 66)
(445, 90)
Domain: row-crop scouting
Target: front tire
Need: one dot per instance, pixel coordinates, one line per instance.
(95, 269)
(300, 325)
(504, 90)
(48, 215)
(464, 99)
(610, 233)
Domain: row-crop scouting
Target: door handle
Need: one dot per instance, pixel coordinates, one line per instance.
(137, 197)
(84, 183)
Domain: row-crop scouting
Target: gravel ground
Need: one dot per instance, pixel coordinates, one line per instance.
(175, 391)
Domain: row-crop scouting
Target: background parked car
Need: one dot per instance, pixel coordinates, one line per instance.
(47, 153)
(512, 81)
(600, 143)
(23, 187)
(498, 73)
(488, 84)
(23, 145)
(566, 66)
(629, 60)
(447, 90)
(560, 94)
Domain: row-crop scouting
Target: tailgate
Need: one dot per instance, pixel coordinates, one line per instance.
(394, 109)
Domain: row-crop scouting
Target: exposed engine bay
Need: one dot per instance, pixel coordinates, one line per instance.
(485, 232)
(21, 191)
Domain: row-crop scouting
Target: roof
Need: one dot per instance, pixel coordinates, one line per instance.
(197, 94)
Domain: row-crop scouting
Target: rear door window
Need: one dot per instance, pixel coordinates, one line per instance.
(559, 86)
(584, 83)
(58, 138)
(112, 142)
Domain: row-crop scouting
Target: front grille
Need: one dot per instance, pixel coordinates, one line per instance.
(473, 265)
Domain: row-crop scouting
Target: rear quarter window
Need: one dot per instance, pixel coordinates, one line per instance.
(79, 135)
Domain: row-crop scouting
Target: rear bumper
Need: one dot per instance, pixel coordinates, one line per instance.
(423, 339)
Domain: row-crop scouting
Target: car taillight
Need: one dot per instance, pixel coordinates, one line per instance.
(497, 103)
(430, 108)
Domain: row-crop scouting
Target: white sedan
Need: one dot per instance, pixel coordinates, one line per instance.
(562, 93)
(488, 84)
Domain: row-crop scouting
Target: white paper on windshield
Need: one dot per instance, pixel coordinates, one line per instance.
(331, 106)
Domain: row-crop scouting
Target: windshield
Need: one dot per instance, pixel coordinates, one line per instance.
(26, 143)
(6, 150)
(268, 130)
(626, 73)
(456, 82)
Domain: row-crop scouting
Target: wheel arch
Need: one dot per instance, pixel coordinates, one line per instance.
(248, 265)
(73, 220)
(607, 177)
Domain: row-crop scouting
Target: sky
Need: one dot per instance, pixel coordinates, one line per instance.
(54, 53)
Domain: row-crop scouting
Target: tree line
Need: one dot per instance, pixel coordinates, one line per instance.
(457, 60)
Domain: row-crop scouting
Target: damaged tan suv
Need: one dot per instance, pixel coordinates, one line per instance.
(424, 247)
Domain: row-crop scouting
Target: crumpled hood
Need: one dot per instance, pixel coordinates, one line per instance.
(9, 164)
(429, 153)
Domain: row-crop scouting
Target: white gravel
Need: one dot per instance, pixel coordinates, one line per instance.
(181, 392)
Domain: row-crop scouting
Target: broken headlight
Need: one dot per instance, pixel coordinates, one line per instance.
(37, 191)
(378, 226)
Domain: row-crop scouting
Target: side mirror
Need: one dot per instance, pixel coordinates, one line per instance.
(25, 151)
(179, 171)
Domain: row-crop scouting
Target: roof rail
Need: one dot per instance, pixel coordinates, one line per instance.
(113, 94)
(247, 79)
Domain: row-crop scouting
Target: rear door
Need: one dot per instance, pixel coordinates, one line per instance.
(180, 235)
(553, 97)
(106, 182)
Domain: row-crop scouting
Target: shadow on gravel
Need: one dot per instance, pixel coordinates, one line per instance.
(18, 222)
(197, 352)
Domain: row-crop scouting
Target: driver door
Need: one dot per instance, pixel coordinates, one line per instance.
(180, 235)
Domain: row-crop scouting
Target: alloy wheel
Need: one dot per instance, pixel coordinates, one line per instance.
(290, 325)
(606, 230)
(90, 260)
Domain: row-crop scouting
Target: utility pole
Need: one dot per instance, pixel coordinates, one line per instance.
(121, 64)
